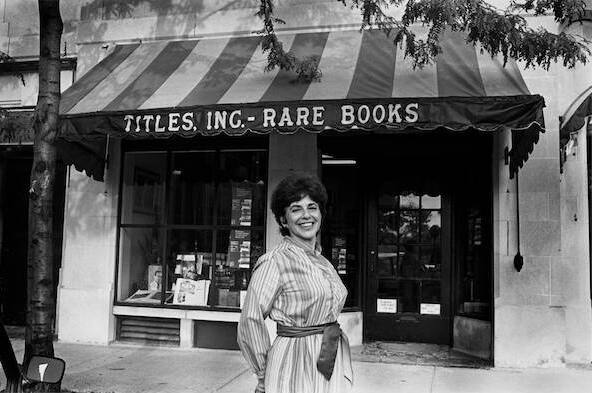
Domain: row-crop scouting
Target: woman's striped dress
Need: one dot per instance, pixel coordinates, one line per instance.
(295, 286)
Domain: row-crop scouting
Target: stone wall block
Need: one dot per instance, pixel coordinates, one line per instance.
(24, 45)
(88, 266)
(574, 242)
(93, 231)
(23, 16)
(529, 336)
(530, 286)
(540, 238)
(568, 285)
(507, 240)
(507, 206)
(147, 28)
(70, 9)
(571, 274)
(573, 180)
(578, 333)
(352, 323)
(546, 147)
(539, 175)
(91, 228)
(555, 205)
(550, 136)
(534, 206)
(85, 315)
(88, 261)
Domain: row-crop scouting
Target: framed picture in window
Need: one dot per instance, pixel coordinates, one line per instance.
(146, 191)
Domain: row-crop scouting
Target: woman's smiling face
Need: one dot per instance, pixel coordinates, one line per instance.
(303, 220)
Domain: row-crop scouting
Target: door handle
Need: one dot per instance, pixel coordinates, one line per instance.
(372, 260)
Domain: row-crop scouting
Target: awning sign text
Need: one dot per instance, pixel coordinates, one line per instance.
(312, 117)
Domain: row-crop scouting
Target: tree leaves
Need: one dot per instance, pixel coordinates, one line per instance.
(307, 69)
(499, 32)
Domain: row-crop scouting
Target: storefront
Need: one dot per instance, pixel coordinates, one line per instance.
(421, 221)
(188, 139)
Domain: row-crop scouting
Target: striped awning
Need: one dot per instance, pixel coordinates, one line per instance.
(212, 86)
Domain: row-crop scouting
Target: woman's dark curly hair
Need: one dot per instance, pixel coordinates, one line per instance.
(293, 188)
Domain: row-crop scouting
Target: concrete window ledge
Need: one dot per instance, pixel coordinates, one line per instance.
(157, 312)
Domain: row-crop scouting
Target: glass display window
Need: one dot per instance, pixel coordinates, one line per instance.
(475, 264)
(143, 189)
(341, 229)
(191, 226)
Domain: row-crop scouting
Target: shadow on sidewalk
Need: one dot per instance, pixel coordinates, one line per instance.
(415, 354)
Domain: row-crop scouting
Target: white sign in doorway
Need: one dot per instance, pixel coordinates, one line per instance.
(386, 306)
(430, 309)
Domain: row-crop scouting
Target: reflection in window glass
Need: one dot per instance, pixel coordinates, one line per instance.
(199, 250)
(430, 202)
(241, 179)
(409, 249)
(409, 226)
(387, 260)
(341, 226)
(430, 292)
(431, 222)
(140, 278)
(192, 188)
(405, 292)
(238, 251)
(143, 188)
(409, 201)
(430, 261)
(475, 266)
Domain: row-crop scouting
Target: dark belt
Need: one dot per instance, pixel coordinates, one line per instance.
(332, 335)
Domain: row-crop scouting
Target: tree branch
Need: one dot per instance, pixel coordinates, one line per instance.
(499, 32)
(307, 69)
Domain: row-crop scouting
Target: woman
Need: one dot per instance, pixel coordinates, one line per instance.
(300, 290)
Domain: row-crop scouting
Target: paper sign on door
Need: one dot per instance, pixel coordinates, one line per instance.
(430, 309)
(386, 306)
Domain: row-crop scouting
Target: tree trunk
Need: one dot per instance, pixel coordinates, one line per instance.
(40, 269)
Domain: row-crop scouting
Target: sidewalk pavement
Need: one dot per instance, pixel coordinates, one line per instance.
(122, 368)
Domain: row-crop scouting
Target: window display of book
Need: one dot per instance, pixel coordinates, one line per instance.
(224, 293)
(147, 296)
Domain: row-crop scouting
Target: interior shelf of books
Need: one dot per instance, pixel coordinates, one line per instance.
(193, 274)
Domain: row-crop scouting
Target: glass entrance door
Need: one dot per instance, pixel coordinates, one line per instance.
(408, 279)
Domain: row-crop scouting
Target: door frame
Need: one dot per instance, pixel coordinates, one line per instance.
(370, 280)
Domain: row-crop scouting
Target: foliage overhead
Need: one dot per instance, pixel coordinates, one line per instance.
(499, 32)
(307, 68)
